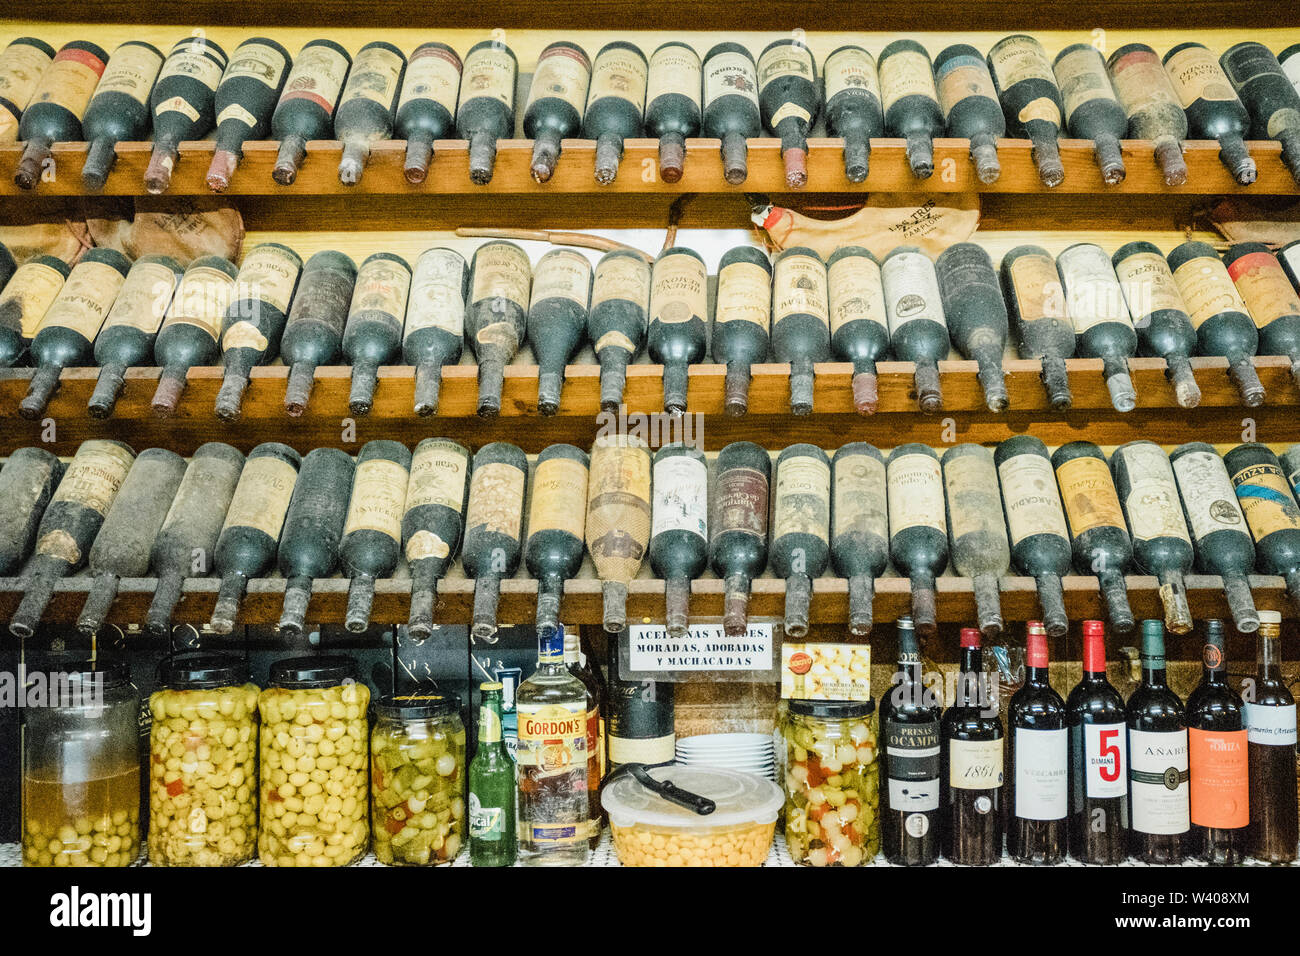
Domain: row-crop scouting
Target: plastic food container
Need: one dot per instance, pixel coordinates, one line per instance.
(650, 831)
(831, 782)
(203, 763)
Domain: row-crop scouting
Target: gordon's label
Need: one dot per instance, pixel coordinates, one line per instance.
(269, 274)
(552, 737)
(799, 288)
(374, 76)
(915, 493)
(438, 471)
(496, 499)
(744, 294)
(1020, 58)
(851, 68)
(95, 475)
(317, 76)
(1207, 289)
(679, 289)
(144, 297)
(1271, 725)
(131, 71)
(971, 484)
(621, 277)
(562, 274)
(619, 72)
(674, 69)
(1266, 499)
(825, 671)
(963, 76)
(201, 299)
(1093, 293)
(1081, 77)
(1105, 751)
(740, 502)
(196, 60)
(730, 73)
(1158, 781)
(83, 302)
(432, 73)
(437, 297)
(911, 290)
(1042, 774)
(1219, 792)
(378, 497)
(1208, 497)
(680, 485)
(912, 758)
(1088, 494)
(906, 73)
(1032, 503)
(1152, 503)
(564, 73)
(31, 291)
(1037, 285)
(1148, 284)
(856, 292)
(21, 67)
(490, 72)
(803, 498)
(787, 59)
(262, 496)
(975, 764)
(559, 497)
(1196, 75)
(70, 82)
(860, 504)
(1264, 287)
(257, 61)
(501, 271)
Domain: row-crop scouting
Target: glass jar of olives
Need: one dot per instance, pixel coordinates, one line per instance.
(831, 782)
(417, 779)
(203, 762)
(313, 763)
(81, 766)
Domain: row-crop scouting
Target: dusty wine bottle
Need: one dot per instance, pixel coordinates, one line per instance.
(801, 331)
(789, 98)
(494, 519)
(1270, 96)
(557, 98)
(1040, 542)
(909, 788)
(433, 523)
(1154, 111)
(972, 765)
(486, 110)
(1037, 762)
(373, 334)
(1271, 511)
(616, 323)
(1270, 750)
(859, 321)
(679, 532)
(26, 297)
(742, 319)
(251, 531)
(918, 330)
(434, 334)
(918, 533)
(1035, 300)
(125, 540)
(1288, 59)
(426, 108)
(1271, 299)
(1102, 324)
(558, 310)
(853, 111)
(306, 108)
(500, 279)
(1098, 777)
(67, 330)
(245, 99)
(679, 307)
(731, 112)
(313, 525)
(615, 104)
(1031, 102)
(27, 483)
(23, 63)
(557, 512)
(911, 102)
(7, 265)
(618, 519)
(69, 524)
(738, 527)
(189, 333)
(970, 106)
(801, 515)
(314, 329)
(1092, 110)
(977, 528)
(57, 106)
(859, 527)
(1158, 760)
(976, 314)
(119, 110)
(1212, 107)
(183, 104)
(672, 110)
(366, 105)
(1159, 314)
(372, 531)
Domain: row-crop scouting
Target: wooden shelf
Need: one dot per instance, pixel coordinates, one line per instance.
(449, 174)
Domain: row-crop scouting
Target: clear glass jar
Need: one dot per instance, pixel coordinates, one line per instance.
(831, 782)
(81, 767)
(417, 779)
(203, 763)
(314, 794)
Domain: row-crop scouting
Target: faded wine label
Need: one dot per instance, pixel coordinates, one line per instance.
(262, 496)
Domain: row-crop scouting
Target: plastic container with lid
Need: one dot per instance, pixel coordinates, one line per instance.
(832, 796)
(203, 762)
(81, 766)
(417, 779)
(651, 831)
(314, 756)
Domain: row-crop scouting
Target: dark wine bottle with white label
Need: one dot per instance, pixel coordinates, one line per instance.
(859, 320)
(801, 332)
(27, 483)
(314, 329)
(1036, 302)
(679, 529)
(245, 100)
(1217, 760)
(189, 333)
(1212, 106)
(910, 821)
(1092, 110)
(1269, 95)
(26, 297)
(918, 330)
(738, 527)
(1031, 102)
(1271, 299)
(742, 320)
(679, 309)
(911, 102)
(426, 107)
(615, 104)
(1102, 324)
(313, 525)
(494, 528)
(1271, 748)
(976, 314)
(366, 105)
(859, 527)
(1159, 811)
(57, 107)
(557, 98)
(119, 110)
(372, 531)
(307, 103)
(1094, 714)
(918, 531)
(972, 765)
(500, 279)
(639, 728)
(971, 107)
(1159, 314)
(486, 111)
(1267, 500)
(618, 519)
(853, 110)
(557, 511)
(731, 111)
(801, 521)
(557, 319)
(1154, 112)
(789, 97)
(434, 334)
(433, 523)
(977, 528)
(616, 322)
(183, 104)
(1037, 762)
(672, 109)
(373, 334)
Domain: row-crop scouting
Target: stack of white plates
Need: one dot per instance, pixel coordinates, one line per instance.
(748, 753)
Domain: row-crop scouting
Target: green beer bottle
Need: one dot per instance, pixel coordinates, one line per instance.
(491, 789)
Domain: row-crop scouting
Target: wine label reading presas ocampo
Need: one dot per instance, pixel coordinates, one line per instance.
(1037, 286)
(501, 271)
(1207, 289)
(1042, 774)
(911, 290)
(262, 496)
(1148, 284)
(201, 299)
(1093, 293)
(563, 73)
(559, 498)
(432, 73)
(1219, 793)
(437, 298)
(915, 493)
(71, 81)
(1208, 497)
(1264, 287)
(1196, 75)
(906, 73)
(851, 68)
(95, 475)
(679, 289)
(1081, 77)
(1158, 781)
(913, 754)
(32, 290)
(621, 277)
(860, 501)
(437, 476)
(374, 76)
(975, 764)
(856, 292)
(378, 498)
(730, 73)
(1104, 767)
(799, 288)
(1266, 500)
(489, 72)
(144, 297)
(619, 72)
(1029, 490)
(317, 75)
(83, 302)
(131, 70)
(803, 498)
(257, 61)
(562, 274)
(1088, 493)
(1152, 503)
(744, 294)
(496, 497)
(680, 496)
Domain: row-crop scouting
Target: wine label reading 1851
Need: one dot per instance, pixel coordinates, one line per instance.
(975, 764)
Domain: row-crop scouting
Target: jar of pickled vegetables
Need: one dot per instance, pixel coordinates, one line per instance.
(417, 779)
(313, 749)
(81, 766)
(831, 782)
(203, 763)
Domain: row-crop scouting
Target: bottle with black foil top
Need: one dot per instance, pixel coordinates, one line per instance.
(910, 821)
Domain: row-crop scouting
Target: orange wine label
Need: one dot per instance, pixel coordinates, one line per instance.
(1219, 780)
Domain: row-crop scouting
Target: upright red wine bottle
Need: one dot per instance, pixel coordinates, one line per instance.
(494, 528)
(976, 314)
(373, 334)
(801, 516)
(1159, 808)
(372, 532)
(1273, 302)
(972, 769)
(918, 330)
(1098, 776)
(679, 308)
(1036, 301)
(183, 104)
(615, 104)
(65, 337)
(1092, 110)
(859, 320)
(189, 334)
(499, 280)
(557, 512)
(486, 111)
(910, 821)
(306, 108)
(313, 525)
(556, 101)
(426, 107)
(789, 99)
(801, 332)
(738, 527)
(1217, 754)
(616, 322)
(435, 322)
(1102, 324)
(1219, 532)
(314, 329)
(853, 110)
(911, 102)
(27, 484)
(26, 297)
(679, 528)
(119, 110)
(731, 112)
(1038, 758)
(742, 320)
(977, 528)
(1223, 327)
(366, 105)
(1159, 314)
(245, 100)
(1270, 748)
(672, 104)
(1270, 96)
(970, 106)
(1212, 107)
(1030, 100)
(918, 533)
(433, 523)
(859, 526)
(57, 107)
(23, 63)
(1154, 111)
(1271, 511)
(557, 319)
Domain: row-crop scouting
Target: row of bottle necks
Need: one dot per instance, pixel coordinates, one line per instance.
(795, 308)
(81, 94)
(801, 514)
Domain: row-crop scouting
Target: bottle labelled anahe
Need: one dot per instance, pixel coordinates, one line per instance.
(618, 519)
(433, 523)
